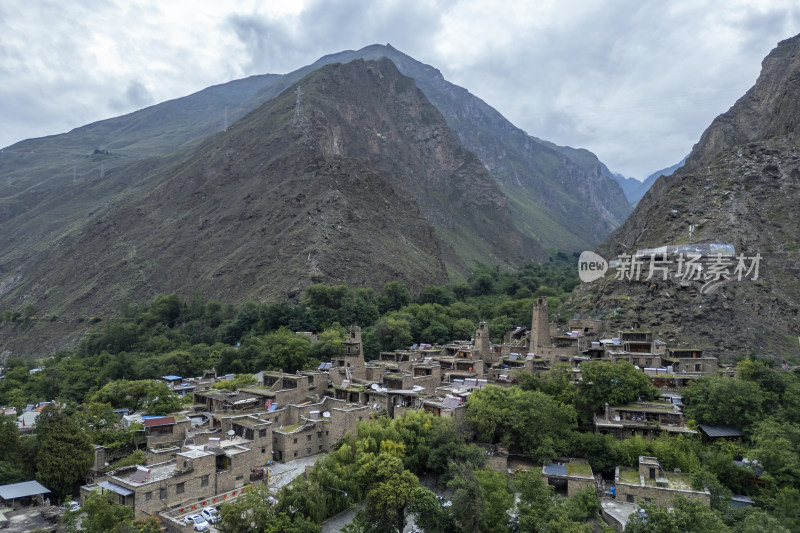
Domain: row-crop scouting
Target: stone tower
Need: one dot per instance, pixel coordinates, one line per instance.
(482, 341)
(540, 327)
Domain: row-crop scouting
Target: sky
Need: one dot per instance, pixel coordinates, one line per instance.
(634, 81)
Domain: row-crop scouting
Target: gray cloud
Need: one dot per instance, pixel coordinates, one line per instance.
(634, 82)
(135, 96)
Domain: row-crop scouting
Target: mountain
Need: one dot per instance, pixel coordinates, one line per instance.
(738, 186)
(564, 197)
(357, 180)
(629, 185)
(105, 202)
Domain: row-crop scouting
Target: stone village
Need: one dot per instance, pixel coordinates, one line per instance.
(216, 448)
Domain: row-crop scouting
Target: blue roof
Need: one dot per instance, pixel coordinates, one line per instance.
(555, 470)
(171, 378)
(21, 490)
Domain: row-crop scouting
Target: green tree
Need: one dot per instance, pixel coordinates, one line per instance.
(528, 421)
(393, 332)
(255, 513)
(65, 453)
(613, 383)
(720, 401)
(104, 514)
(137, 395)
(392, 488)
(687, 516)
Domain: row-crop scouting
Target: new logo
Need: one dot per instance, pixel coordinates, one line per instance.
(591, 267)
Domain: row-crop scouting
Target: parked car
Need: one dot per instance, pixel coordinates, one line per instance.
(71, 505)
(211, 514)
(199, 523)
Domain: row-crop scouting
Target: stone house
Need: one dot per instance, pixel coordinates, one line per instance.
(646, 419)
(650, 483)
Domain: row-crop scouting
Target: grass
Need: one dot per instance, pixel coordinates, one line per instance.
(579, 469)
(289, 429)
(629, 476)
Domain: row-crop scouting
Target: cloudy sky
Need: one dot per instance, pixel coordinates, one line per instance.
(634, 81)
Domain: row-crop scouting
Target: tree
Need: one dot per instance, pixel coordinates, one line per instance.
(65, 453)
(393, 332)
(392, 487)
(255, 513)
(720, 401)
(529, 421)
(155, 396)
(104, 514)
(429, 513)
(613, 383)
(688, 515)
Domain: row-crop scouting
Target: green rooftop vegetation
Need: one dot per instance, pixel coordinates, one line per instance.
(629, 476)
(289, 429)
(579, 469)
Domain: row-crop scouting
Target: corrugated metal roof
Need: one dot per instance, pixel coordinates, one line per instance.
(160, 421)
(720, 431)
(21, 490)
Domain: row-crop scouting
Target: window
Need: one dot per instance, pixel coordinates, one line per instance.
(295, 454)
(308, 437)
(697, 368)
(629, 498)
(204, 481)
(179, 488)
(148, 496)
(262, 433)
(326, 431)
(263, 449)
(295, 441)
(308, 451)
(162, 493)
(320, 447)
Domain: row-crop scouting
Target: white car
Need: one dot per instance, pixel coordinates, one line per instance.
(211, 514)
(199, 523)
(72, 506)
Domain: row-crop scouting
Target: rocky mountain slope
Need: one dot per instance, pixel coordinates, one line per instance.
(564, 197)
(358, 180)
(740, 185)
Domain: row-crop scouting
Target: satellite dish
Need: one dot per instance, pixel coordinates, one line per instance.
(231, 433)
(374, 386)
(326, 414)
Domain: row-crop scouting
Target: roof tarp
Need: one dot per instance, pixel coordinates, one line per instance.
(21, 490)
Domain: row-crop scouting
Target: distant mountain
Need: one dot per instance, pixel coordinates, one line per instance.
(739, 186)
(629, 185)
(645, 185)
